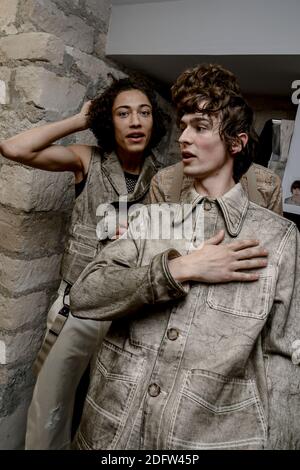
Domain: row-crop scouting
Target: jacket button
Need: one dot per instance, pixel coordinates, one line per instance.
(154, 390)
(172, 334)
(207, 205)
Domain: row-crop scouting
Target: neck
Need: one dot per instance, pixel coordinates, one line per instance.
(214, 186)
(131, 163)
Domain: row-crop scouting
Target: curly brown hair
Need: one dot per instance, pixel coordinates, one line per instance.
(213, 90)
(100, 114)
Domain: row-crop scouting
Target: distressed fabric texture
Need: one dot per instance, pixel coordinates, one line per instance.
(105, 184)
(50, 413)
(193, 366)
(268, 186)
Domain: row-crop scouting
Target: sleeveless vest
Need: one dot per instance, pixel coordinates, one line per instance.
(105, 184)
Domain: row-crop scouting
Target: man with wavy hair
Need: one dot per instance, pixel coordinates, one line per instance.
(192, 361)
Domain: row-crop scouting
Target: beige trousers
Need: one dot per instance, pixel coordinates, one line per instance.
(51, 409)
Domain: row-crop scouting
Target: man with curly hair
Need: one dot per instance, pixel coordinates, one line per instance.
(193, 361)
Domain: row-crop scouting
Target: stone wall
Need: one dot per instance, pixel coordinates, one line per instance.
(52, 60)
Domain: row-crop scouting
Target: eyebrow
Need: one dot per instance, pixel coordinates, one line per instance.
(129, 107)
(197, 120)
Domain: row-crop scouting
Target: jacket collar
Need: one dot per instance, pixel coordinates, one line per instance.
(234, 205)
(111, 167)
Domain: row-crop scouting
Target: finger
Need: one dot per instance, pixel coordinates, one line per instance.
(244, 277)
(248, 253)
(242, 244)
(216, 239)
(255, 263)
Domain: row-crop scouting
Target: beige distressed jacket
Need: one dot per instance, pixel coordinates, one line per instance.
(193, 366)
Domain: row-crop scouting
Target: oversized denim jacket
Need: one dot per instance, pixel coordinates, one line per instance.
(194, 366)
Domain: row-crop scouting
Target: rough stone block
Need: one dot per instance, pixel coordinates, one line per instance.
(15, 187)
(22, 346)
(16, 312)
(5, 74)
(89, 65)
(8, 14)
(13, 426)
(2, 92)
(49, 91)
(45, 15)
(28, 190)
(100, 45)
(12, 122)
(33, 46)
(100, 10)
(38, 190)
(116, 72)
(41, 234)
(3, 375)
(2, 352)
(52, 191)
(20, 276)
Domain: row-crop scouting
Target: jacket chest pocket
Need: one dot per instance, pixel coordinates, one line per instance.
(83, 241)
(245, 299)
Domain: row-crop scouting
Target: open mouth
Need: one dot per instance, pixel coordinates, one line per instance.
(135, 137)
(187, 156)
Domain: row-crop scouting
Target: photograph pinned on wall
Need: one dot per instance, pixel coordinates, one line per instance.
(291, 178)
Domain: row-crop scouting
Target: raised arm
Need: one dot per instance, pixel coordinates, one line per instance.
(35, 147)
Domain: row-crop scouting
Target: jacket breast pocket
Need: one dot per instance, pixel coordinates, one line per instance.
(112, 389)
(81, 249)
(83, 242)
(246, 299)
(217, 412)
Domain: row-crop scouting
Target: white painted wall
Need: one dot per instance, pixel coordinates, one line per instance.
(204, 27)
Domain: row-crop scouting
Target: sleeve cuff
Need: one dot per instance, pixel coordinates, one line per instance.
(164, 286)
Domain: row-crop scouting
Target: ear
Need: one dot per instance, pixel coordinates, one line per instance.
(239, 143)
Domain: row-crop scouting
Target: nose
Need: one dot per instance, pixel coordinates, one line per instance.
(135, 119)
(185, 137)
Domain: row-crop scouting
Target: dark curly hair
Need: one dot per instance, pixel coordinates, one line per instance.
(219, 93)
(295, 185)
(100, 114)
